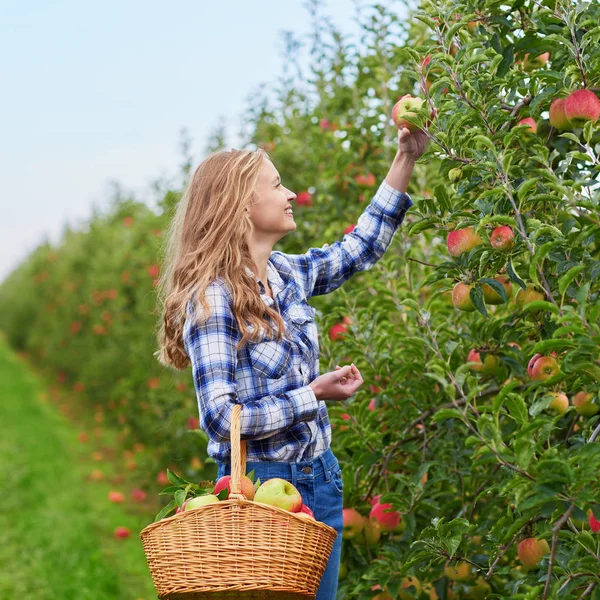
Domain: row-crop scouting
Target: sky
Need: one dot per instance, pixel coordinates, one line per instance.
(94, 93)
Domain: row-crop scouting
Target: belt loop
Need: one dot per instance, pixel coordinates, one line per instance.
(293, 476)
(325, 468)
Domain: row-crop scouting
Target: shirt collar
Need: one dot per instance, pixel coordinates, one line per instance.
(273, 278)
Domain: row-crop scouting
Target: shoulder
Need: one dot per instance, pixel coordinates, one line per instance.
(289, 266)
(217, 295)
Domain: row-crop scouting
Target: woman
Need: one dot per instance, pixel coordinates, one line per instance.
(238, 312)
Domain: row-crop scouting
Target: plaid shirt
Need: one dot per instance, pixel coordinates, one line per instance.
(282, 420)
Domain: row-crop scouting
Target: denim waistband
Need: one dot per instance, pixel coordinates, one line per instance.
(292, 470)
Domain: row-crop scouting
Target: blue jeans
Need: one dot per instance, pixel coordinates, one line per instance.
(319, 481)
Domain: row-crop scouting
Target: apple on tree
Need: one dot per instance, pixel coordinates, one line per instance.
(541, 367)
(491, 296)
(530, 123)
(489, 366)
(458, 571)
(582, 106)
(584, 404)
(461, 298)
(558, 118)
(528, 295)
(353, 523)
(531, 550)
(462, 240)
(502, 238)
(594, 523)
(560, 402)
(388, 519)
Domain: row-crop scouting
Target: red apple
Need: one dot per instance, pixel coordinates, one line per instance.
(582, 106)
(462, 240)
(542, 368)
(530, 64)
(349, 228)
(488, 367)
(304, 199)
(594, 523)
(558, 119)
(531, 551)
(404, 108)
(367, 180)
(584, 404)
(354, 523)
(502, 238)
(116, 497)
(529, 121)
(138, 495)
(246, 484)
(122, 532)
(461, 298)
(388, 518)
(280, 493)
(306, 510)
(337, 331)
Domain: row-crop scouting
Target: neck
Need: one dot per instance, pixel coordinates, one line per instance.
(260, 252)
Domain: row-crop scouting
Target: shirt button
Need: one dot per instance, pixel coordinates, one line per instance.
(307, 470)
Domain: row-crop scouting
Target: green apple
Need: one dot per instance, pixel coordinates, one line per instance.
(199, 501)
(280, 493)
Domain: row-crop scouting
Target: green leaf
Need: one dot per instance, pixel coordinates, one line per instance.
(165, 511)
(168, 491)
(482, 139)
(513, 275)
(517, 408)
(180, 497)
(525, 187)
(546, 346)
(476, 295)
(447, 413)
(496, 286)
(539, 305)
(570, 136)
(504, 391)
(176, 479)
(567, 278)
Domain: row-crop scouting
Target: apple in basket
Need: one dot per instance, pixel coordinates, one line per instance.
(306, 513)
(199, 501)
(246, 484)
(280, 493)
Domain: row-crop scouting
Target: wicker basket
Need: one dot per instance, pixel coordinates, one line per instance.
(237, 548)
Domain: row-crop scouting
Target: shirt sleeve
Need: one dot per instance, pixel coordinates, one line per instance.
(211, 347)
(322, 270)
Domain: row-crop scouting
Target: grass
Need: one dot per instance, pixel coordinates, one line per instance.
(57, 527)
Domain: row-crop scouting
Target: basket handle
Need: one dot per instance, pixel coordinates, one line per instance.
(238, 455)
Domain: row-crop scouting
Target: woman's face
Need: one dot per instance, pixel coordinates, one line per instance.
(268, 212)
